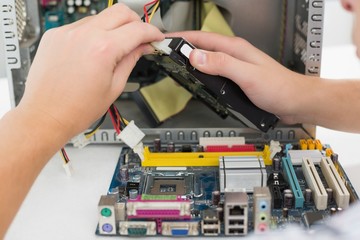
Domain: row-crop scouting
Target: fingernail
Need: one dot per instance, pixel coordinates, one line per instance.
(199, 57)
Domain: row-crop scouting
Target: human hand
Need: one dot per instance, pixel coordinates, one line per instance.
(267, 83)
(81, 68)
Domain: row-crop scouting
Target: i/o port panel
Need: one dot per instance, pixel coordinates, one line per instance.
(106, 211)
(261, 209)
(236, 213)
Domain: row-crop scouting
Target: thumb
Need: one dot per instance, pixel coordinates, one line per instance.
(218, 63)
(125, 66)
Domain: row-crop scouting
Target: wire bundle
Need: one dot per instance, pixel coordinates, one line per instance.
(64, 156)
(117, 120)
(150, 8)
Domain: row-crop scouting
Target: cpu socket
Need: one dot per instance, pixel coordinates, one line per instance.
(168, 185)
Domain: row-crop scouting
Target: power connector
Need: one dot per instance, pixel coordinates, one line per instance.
(132, 136)
(80, 141)
(68, 169)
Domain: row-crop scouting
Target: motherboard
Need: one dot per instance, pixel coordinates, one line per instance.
(223, 187)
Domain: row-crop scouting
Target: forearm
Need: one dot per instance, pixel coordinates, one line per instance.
(28, 140)
(330, 103)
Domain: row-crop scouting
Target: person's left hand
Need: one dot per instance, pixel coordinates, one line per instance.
(81, 68)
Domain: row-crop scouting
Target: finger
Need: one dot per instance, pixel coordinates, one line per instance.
(218, 63)
(125, 39)
(124, 68)
(234, 46)
(115, 16)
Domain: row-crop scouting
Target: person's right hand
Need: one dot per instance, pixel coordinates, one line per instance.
(267, 83)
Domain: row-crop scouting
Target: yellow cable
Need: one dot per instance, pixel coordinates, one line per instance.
(110, 3)
(88, 136)
(154, 10)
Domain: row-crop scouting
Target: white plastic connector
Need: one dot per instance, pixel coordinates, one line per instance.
(274, 148)
(226, 141)
(68, 169)
(131, 135)
(162, 47)
(139, 149)
(80, 141)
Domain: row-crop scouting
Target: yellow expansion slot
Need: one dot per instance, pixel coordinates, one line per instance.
(188, 159)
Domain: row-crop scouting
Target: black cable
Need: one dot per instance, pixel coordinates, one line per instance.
(101, 121)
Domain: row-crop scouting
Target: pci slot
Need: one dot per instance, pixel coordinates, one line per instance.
(289, 172)
(188, 159)
(341, 194)
(314, 182)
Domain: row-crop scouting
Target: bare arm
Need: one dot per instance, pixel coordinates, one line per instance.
(79, 70)
(295, 98)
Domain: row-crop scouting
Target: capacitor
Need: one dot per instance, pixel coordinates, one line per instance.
(332, 211)
(330, 194)
(170, 147)
(87, 3)
(220, 212)
(288, 200)
(215, 198)
(70, 10)
(157, 145)
(287, 191)
(136, 178)
(124, 173)
(199, 148)
(276, 164)
(308, 193)
(133, 193)
(83, 9)
(78, 2)
(285, 212)
(335, 158)
(70, 2)
(114, 191)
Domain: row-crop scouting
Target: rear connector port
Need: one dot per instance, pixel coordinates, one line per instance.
(105, 212)
(108, 228)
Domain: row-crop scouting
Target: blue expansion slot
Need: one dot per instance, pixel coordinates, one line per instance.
(293, 181)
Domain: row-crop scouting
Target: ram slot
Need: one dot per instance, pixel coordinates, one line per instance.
(314, 182)
(293, 181)
(333, 179)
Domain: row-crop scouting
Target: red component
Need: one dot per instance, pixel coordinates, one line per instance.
(46, 3)
(234, 148)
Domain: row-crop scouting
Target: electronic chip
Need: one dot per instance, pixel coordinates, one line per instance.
(313, 218)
